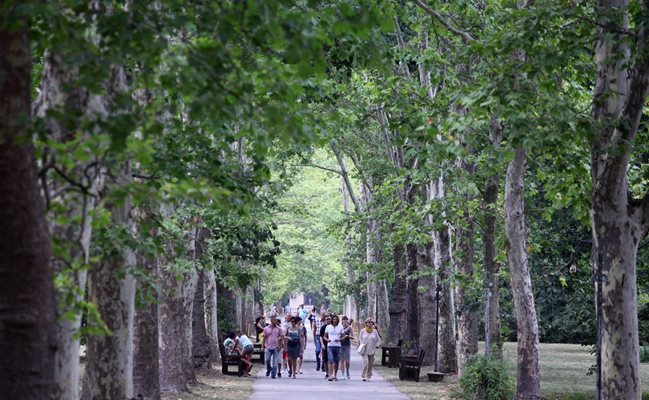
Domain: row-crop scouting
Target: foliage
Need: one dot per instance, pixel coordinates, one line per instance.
(485, 378)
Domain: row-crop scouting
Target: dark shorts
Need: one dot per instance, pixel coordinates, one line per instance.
(346, 350)
(333, 354)
(248, 350)
(293, 351)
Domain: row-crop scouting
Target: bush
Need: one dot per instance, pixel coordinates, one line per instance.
(644, 354)
(486, 379)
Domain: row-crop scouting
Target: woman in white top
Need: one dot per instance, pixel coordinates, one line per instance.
(245, 348)
(370, 337)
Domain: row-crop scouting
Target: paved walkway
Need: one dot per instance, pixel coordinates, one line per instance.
(312, 385)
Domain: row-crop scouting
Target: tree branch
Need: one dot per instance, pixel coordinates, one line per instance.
(466, 36)
(345, 175)
(322, 168)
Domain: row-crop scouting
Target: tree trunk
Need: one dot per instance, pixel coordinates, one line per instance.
(528, 384)
(398, 299)
(26, 286)
(426, 303)
(146, 376)
(172, 321)
(467, 321)
(211, 317)
(109, 359)
(463, 254)
(619, 221)
(447, 356)
(383, 308)
(59, 96)
(412, 285)
(447, 360)
(493, 340)
(373, 256)
(200, 341)
(189, 289)
(350, 308)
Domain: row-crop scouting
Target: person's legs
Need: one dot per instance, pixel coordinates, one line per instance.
(275, 353)
(336, 361)
(267, 354)
(318, 349)
(325, 364)
(370, 363)
(364, 373)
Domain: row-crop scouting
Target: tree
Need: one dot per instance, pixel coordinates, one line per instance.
(26, 288)
(620, 218)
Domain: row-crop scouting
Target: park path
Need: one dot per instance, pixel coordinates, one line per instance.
(312, 385)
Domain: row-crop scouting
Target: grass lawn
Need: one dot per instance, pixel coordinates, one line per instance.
(214, 385)
(564, 369)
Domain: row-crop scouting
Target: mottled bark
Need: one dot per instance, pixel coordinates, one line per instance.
(619, 221)
(426, 303)
(189, 289)
(200, 341)
(383, 308)
(60, 97)
(463, 254)
(493, 340)
(211, 317)
(109, 359)
(146, 377)
(528, 384)
(467, 310)
(373, 256)
(447, 355)
(173, 322)
(398, 295)
(350, 307)
(412, 284)
(27, 308)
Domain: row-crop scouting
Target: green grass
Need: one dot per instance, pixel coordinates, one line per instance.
(564, 369)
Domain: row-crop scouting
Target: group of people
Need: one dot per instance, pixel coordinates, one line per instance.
(237, 344)
(332, 336)
(285, 340)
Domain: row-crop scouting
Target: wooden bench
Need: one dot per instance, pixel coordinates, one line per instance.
(390, 354)
(227, 362)
(259, 352)
(410, 365)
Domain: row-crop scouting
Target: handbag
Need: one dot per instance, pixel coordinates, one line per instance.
(361, 349)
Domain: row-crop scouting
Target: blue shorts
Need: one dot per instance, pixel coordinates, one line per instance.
(333, 354)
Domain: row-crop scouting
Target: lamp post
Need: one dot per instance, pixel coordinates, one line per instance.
(437, 290)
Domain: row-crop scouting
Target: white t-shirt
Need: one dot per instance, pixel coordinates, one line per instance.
(334, 335)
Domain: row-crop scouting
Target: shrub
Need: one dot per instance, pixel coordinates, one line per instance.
(485, 379)
(644, 354)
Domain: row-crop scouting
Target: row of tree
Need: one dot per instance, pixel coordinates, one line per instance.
(137, 140)
(481, 109)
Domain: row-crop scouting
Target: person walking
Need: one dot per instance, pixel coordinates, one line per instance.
(303, 347)
(333, 333)
(316, 324)
(272, 335)
(302, 313)
(286, 322)
(323, 345)
(370, 338)
(345, 345)
(294, 345)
